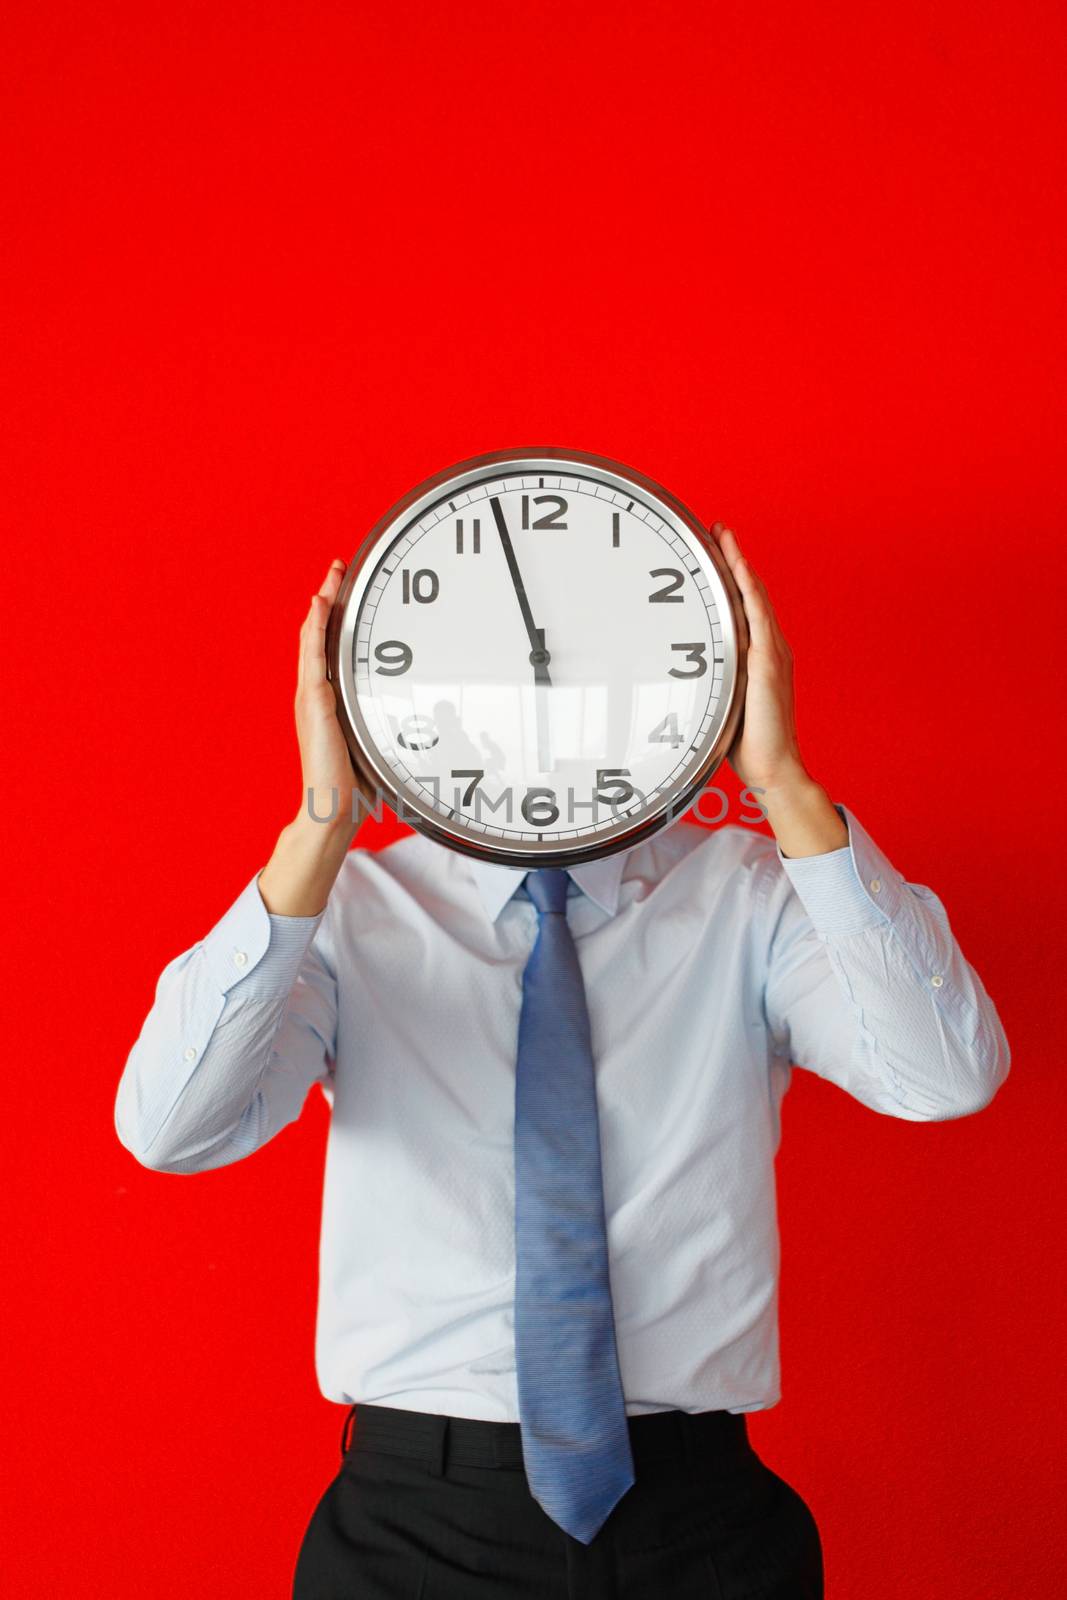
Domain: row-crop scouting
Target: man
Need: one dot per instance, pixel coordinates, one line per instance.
(483, 1456)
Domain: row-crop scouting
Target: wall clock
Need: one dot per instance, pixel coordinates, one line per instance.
(538, 657)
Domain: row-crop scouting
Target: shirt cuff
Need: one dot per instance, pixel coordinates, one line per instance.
(844, 891)
(257, 948)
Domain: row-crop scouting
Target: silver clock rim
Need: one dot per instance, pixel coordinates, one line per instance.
(375, 776)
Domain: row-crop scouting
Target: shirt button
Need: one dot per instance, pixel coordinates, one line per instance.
(240, 959)
(190, 1054)
(876, 884)
(937, 980)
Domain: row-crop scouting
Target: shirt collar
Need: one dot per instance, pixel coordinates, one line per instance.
(598, 879)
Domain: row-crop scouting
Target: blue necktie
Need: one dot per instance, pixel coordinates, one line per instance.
(575, 1439)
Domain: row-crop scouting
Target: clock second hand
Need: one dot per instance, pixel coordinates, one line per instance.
(541, 688)
(539, 656)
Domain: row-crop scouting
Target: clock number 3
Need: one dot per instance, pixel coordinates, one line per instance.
(693, 652)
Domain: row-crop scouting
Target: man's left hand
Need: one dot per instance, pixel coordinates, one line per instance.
(766, 753)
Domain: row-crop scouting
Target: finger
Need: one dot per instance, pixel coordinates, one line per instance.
(732, 550)
(734, 559)
(332, 581)
(772, 615)
(752, 593)
(315, 642)
(302, 649)
(306, 669)
(726, 539)
(757, 610)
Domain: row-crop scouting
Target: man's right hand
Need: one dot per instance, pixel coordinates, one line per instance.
(328, 776)
(309, 854)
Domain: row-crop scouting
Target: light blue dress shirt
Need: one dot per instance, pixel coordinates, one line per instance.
(711, 963)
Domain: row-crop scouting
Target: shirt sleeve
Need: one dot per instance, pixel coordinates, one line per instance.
(241, 1027)
(867, 986)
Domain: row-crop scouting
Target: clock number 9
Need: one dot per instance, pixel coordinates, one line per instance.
(395, 657)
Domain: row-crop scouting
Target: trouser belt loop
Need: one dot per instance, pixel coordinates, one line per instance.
(438, 1455)
(346, 1431)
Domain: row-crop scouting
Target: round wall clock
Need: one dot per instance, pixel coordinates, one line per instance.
(538, 657)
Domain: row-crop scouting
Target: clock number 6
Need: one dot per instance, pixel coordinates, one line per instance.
(539, 807)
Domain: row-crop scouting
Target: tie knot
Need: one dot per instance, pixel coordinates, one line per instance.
(547, 888)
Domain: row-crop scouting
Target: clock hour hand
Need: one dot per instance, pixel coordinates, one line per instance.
(539, 656)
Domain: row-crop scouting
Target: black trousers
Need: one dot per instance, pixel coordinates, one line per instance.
(429, 1507)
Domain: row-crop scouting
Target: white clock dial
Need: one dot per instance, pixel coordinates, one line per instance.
(539, 660)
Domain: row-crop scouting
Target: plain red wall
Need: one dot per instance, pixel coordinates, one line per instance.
(268, 266)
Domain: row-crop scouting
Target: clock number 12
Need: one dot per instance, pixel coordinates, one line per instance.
(548, 519)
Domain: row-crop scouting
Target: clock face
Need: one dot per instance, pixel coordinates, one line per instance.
(537, 658)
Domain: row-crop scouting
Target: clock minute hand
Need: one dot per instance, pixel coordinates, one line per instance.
(539, 656)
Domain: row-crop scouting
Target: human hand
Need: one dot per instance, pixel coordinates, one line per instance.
(766, 752)
(326, 766)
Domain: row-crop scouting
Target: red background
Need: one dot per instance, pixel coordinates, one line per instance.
(268, 266)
